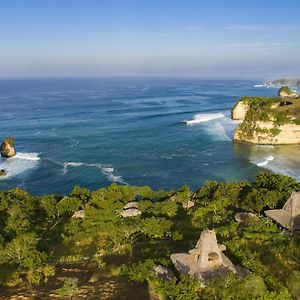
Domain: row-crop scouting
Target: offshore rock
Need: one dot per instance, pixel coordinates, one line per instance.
(286, 92)
(2, 173)
(7, 148)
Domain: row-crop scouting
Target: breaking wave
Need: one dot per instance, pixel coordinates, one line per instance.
(218, 125)
(109, 172)
(201, 118)
(263, 163)
(19, 164)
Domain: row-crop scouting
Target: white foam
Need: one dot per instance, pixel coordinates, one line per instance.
(19, 164)
(73, 164)
(218, 131)
(105, 170)
(264, 162)
(108, 170)
(201, 118)
(265, 146)
(75, 143)
(27, 156)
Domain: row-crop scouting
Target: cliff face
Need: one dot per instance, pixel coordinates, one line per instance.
(288, 134)
(270, 121)
(285, 81)
(239, 111)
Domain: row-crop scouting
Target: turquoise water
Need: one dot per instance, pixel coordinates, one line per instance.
(91, 132)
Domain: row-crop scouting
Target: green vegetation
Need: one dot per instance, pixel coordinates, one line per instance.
(273, 110)
(286, 90)
(69, 288)
(38, 234)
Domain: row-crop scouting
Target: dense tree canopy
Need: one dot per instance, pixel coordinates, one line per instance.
(39, 232)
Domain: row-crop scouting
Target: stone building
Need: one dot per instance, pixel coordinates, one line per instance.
(206, 260)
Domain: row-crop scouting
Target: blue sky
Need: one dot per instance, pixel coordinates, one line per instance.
(212, 38)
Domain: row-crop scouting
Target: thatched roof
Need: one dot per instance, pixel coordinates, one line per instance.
(79, 214)
(131, 212)
(289, 216)
(132, 204)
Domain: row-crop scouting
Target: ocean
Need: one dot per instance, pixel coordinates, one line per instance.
(161, 132)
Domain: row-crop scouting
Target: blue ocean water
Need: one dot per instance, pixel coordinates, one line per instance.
(94, 131)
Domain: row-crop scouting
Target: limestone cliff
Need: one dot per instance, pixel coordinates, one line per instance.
(288, 134)
(239, 111)
(7, 148)
(286, 81)
(270, 121)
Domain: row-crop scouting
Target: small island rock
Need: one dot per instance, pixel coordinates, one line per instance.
(7, 148)
(2, 173)
(285, 92)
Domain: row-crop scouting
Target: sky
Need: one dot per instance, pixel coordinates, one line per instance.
(206, 38)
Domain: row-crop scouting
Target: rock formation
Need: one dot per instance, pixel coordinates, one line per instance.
(239, 111)
(285, 81)
(286, 92)
(2, 173)
(206, 260)
(288, 134)
(269, 121)
(289, 216)
(7, 148)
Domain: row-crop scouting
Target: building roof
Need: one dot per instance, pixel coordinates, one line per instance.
(289, 216)
(206, 260)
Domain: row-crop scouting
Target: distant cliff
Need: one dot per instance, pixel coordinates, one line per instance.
(285, 81)
(268, 120)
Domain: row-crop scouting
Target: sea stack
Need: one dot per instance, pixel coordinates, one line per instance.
(286, 92)
(7, 148)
